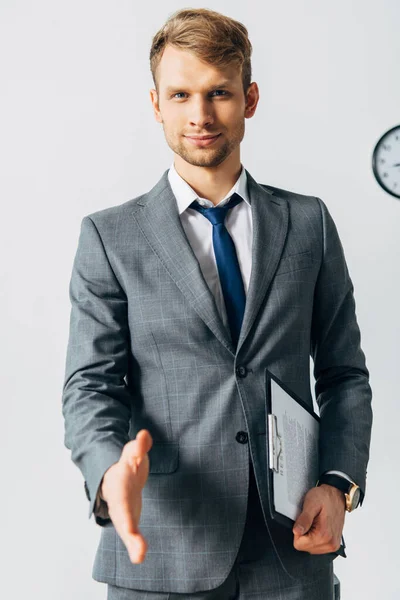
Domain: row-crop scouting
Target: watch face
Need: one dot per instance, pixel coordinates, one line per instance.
(386, 161)
(355, 499)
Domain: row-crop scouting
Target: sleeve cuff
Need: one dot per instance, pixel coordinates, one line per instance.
(101, 507)
(341, 474)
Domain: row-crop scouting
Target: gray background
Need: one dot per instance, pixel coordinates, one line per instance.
(78, 135)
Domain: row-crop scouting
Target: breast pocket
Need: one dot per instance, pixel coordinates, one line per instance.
(295, 262)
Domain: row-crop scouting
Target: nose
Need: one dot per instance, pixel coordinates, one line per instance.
(201, 114)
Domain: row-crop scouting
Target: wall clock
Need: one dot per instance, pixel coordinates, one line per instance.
(386, 161)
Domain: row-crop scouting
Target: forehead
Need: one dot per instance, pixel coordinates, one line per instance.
(181, 67)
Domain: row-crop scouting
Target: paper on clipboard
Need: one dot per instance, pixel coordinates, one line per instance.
(293, 434)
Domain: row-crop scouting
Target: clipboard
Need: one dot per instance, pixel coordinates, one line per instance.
(292, 451)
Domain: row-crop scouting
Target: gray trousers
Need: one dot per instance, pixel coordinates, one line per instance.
(256, 574)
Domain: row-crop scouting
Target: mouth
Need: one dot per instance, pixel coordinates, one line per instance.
(203, 141)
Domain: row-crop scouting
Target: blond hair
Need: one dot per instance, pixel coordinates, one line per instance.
(211, 36)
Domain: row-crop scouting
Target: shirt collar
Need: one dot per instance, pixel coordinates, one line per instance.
(185, 195)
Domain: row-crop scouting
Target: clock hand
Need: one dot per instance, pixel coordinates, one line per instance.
(396, 165)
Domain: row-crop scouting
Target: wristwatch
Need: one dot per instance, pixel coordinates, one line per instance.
(352, 492)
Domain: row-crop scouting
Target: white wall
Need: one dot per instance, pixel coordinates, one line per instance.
(77, 134)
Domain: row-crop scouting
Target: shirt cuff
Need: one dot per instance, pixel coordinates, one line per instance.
(341, 474)
(101, 507)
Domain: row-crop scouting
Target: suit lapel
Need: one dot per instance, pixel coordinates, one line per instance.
(160, 223)
(158, 218)
(270, 224)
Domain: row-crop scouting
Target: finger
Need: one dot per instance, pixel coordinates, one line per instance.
(307, 544)
(136, 546)
(145, 441)
(126, 526)
(319, 540)
(134, 450)
(304, 521)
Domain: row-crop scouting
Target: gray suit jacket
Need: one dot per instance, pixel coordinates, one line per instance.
(148, 349)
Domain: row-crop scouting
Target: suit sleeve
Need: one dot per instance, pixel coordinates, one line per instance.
(96, 403)
(342, 387)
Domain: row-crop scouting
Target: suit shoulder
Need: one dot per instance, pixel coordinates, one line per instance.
(292, 197)
(302, 207)
(111, 214)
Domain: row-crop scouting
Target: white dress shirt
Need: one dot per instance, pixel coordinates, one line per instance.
(198, 230)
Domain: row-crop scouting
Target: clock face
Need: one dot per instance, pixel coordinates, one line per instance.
(386, 161)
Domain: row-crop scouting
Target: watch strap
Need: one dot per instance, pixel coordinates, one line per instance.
(344, 485)
(336, 481)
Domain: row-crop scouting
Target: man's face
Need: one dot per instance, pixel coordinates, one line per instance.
(195, 99)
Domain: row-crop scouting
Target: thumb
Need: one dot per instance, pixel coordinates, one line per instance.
(134, 450)
(305, 519)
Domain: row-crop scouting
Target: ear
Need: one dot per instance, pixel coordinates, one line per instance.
(252, 98)
(156, 108)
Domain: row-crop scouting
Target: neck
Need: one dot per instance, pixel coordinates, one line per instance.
(212, 183)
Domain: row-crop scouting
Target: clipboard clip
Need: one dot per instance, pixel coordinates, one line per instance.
(275, 443)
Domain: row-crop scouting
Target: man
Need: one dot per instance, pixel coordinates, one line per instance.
(180, 301)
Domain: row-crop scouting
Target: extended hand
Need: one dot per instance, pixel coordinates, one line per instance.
(122, 489)
(318, 528)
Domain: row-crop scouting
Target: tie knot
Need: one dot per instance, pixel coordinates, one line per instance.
(217, 214)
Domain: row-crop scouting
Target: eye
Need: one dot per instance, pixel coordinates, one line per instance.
(223, 91)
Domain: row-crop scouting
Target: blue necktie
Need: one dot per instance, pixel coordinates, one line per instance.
(227, 263)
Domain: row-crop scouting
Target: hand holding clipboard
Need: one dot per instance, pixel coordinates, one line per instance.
(292, 450)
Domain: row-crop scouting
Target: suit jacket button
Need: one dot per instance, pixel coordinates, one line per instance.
(241, 371)
(242, 437)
